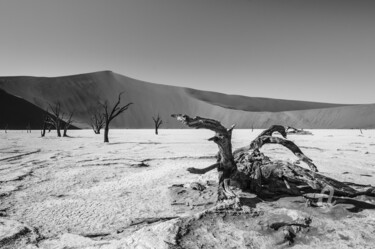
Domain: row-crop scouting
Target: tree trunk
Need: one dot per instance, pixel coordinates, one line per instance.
(65, 132)
(156, 130)
(43, 131)
(58, 129)
(106, 131)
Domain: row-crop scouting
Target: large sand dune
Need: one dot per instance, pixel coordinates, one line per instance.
(81, 93)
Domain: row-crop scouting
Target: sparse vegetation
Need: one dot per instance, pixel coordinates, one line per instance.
(55, 117)
(97, 122)
(158, 122)
(111, 113)
(68, 121)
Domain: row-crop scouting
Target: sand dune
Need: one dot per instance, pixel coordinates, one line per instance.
(81, 93)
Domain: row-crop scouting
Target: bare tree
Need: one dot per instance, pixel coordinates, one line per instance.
(55, 117)
(97, 122)
(158, 122)
(111, 113)
(44, 127)
(28, 128)
(68, 121)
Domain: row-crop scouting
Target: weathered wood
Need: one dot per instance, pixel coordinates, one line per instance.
(257, 143)
(250, 170)
(292, 130)
(222, 138)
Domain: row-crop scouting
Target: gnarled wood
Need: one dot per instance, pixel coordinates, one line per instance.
(222, 138)
(250, 170)
(257, 143)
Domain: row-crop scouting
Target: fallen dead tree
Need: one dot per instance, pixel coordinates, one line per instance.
(247, 169)
(295, 131)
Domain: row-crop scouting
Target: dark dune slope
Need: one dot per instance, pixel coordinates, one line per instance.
(81, 93)
(17, 113)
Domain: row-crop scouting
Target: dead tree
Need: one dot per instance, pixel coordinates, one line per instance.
(97, 122)
(158, 122)
(44, 127)
(110, 114)
(68, 121)
(292, 130)
(249, 170)
(55, 117)
(28, 128)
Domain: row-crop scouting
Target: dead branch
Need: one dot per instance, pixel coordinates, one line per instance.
(204, 170)
(257, 143)
(292, 130)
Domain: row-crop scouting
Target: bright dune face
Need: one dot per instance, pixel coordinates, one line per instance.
(81, 94)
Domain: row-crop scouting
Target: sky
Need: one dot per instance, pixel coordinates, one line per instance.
(313, 50)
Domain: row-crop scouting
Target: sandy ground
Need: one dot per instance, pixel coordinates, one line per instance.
(65, 190)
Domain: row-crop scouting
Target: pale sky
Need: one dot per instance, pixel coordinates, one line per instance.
(317, 50)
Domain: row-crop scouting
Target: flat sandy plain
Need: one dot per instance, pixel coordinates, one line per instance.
(78, 192)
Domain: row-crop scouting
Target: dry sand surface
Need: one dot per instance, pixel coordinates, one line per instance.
(79, 192)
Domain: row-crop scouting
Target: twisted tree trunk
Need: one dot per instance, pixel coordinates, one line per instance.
(249, 170)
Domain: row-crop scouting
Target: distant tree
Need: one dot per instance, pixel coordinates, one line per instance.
(55, 117)
(68, 121)
(6, 128)
(44, 127)
(97, 122)
(28, 128)
(111, 113)
(158, 122)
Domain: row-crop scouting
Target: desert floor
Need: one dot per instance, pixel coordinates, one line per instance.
(78, 192)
